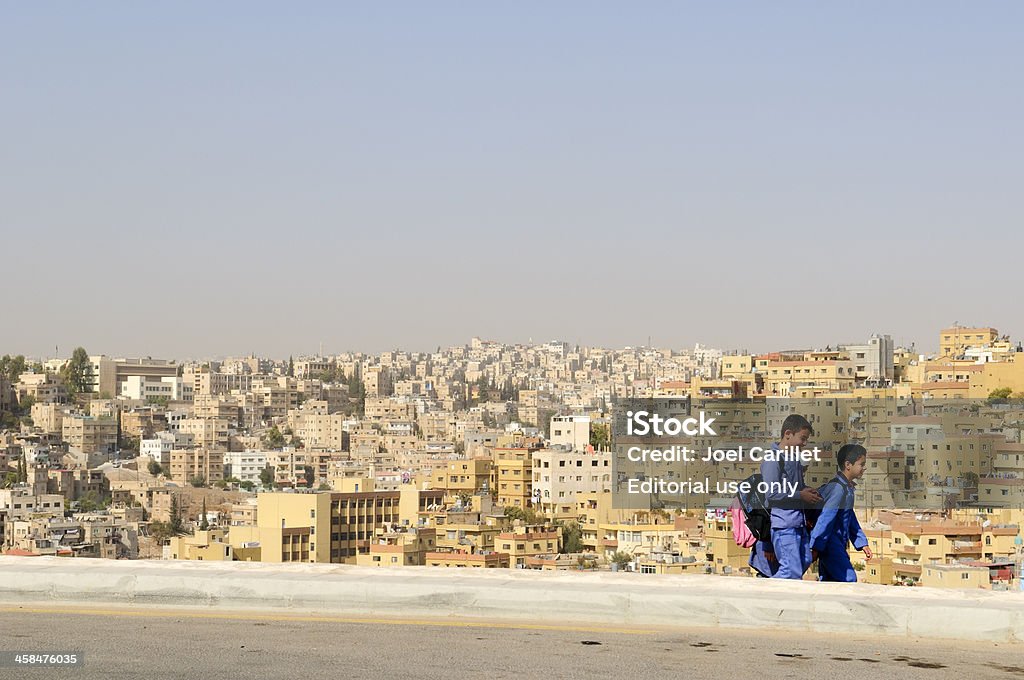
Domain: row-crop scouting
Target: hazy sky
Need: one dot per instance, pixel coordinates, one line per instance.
(198, 179)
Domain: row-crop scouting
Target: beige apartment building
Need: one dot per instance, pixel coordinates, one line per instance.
(110, 375)
(42, 387)
(955, 340)
(330, 526)
(523, 542)
(513, 475)
(88, 434)
(48, 417)
(404, 548)
(208, 433)
(570, 432)
(808, 378)
(208, 546)
(188, 464)
(957, 576)
(459, 559)
(319, 430)
(462, 477)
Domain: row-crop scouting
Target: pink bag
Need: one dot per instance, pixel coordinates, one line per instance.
(740, 533)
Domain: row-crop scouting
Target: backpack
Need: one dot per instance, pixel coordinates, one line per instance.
(814, 513)
(740, 531)
(751, 513)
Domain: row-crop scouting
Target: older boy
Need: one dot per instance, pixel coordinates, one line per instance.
(790, 544)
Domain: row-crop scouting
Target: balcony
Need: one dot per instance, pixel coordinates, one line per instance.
(911, 569)
(970, 547)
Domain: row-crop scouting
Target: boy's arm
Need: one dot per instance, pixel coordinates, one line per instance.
(857, 537)
(771, 474)
(825, 526)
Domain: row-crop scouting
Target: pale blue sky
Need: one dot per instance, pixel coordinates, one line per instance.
(190, 179)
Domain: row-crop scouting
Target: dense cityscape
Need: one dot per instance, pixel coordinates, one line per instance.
(500, 456)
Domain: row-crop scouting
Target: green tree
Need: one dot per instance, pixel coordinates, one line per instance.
(177, 525)
(357, 391)
(154, 468)
(309, 475)
(247, 485)
(198, 481)
(267, 477)
(161, 531)
(25, 405)
(291, 367)
(77, 373)
(274, 439)
(11, 368)
(92, 501)
(527, 515)
(8, 421)
(999, 395)
(621, 559)
(599, 436)
(572, 537)
(204, 524)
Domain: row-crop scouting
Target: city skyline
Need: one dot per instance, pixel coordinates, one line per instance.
(325, 351)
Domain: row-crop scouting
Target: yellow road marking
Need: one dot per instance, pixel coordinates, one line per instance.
(157, 613)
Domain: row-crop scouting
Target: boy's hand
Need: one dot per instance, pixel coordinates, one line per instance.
(810, 496)
(867, 552)
(814, 555)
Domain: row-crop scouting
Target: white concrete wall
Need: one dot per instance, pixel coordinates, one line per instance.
(515, 595)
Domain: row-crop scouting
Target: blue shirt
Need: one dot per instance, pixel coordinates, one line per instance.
(787, 508)
(838, 522)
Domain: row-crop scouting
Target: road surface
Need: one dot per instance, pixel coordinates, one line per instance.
(190, 644)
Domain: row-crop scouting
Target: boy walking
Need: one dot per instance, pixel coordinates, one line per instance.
(790, 546)
(837, 526)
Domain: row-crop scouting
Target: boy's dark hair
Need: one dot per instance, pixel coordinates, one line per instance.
(795, 423)
(850, 453)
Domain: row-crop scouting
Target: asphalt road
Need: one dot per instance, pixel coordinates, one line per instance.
(193, 644)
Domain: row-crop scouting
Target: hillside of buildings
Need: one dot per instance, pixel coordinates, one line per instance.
(492, 455)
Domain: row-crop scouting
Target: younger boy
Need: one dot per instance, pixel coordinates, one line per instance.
(837, 525)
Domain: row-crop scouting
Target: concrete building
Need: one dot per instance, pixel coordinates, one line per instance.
(460, 559)
(159, 447)
(954, 340)
(188, 464)
(245, 466)
(571, 432)
(88, 434)
(873, 361)
(526, 541)
(513, 477)
(110, 375)
(559, 475)
(150, 388)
